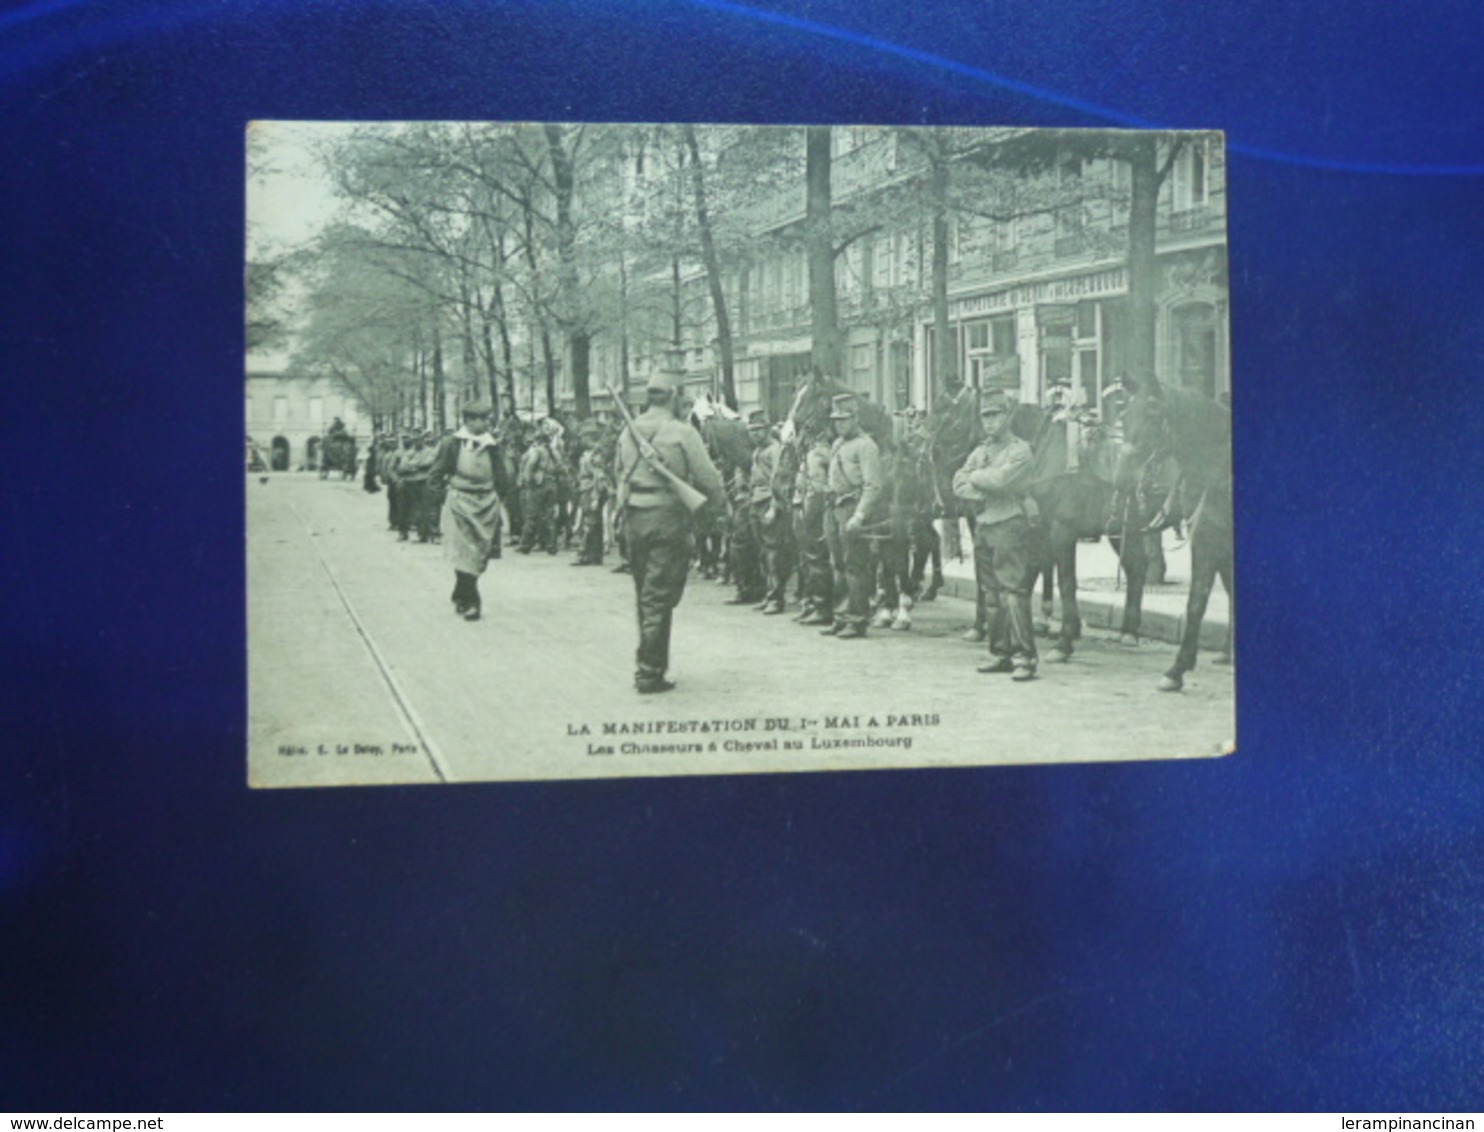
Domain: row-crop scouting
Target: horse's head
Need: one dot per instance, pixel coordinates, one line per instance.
(1143, 426)
(1161, 423)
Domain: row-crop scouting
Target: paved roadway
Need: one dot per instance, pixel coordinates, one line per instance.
(359, 672)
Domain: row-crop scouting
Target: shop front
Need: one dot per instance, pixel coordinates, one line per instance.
(1027, 338)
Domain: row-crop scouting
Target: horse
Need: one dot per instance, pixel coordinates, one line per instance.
(1083, 504)
(729, 445)
(1195, 433)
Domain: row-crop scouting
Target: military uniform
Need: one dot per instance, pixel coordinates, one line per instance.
(813, 502)
(539, 489)
(592, 494)
(994, 480)
(657, 528)
(856, 484)
(769, 511)
(416, 465)
(743, 547)
(395, 497)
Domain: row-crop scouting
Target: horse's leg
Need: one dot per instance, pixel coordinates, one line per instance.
(1063, 549)
(1203, 567)
(1154, 555)
(884, 575)
(1225, 572)
(1049, 565)
(1132, 554)
(980, 629)
(929, 549)
(900, 565)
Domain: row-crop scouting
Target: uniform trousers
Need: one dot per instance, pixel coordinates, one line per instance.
(746, 554)
(660, 548)
(814, 554)
(850, 558)
(1004, 563)
(776, 541)
(540, 501)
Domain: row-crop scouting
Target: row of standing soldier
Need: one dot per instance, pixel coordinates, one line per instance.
(823, 501)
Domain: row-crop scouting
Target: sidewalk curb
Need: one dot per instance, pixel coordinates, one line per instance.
(1105, 611)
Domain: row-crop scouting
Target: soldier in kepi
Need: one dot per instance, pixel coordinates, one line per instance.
(993, 479)
(771, 515)
(656, 520)
(469, 467)
(856, 486)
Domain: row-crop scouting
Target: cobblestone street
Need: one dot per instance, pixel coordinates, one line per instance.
(360, 673)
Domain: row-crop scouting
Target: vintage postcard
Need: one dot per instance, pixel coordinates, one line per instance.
(588, 450)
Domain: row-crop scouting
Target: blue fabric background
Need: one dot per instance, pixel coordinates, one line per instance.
(1295, 927)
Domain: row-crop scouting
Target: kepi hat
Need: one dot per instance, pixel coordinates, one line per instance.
(843, 406)
(994, 401)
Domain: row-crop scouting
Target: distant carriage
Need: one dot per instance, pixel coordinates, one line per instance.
(338, 454)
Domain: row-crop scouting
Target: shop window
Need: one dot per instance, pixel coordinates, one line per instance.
(1002, 331)
(1194, 341)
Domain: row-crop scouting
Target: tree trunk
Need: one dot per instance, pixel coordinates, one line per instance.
(506, 350)
(623, 325)
(466, 333)
(549, 359)
(1144, 182)
(713, 270)
(820, 248)
(574, 320)
(438, 383)
(489, 365)
(539, 310)
(945, 356)
(422, 391)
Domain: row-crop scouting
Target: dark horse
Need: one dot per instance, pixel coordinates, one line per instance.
(1082, 504)
(1195, 432)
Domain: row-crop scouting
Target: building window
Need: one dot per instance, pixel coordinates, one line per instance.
(1071, 234)
(848, 139)
(317, 410)
(1192, 183)
(280, 410)
(883, 263)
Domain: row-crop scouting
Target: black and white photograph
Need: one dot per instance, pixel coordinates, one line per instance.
(604, 450)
